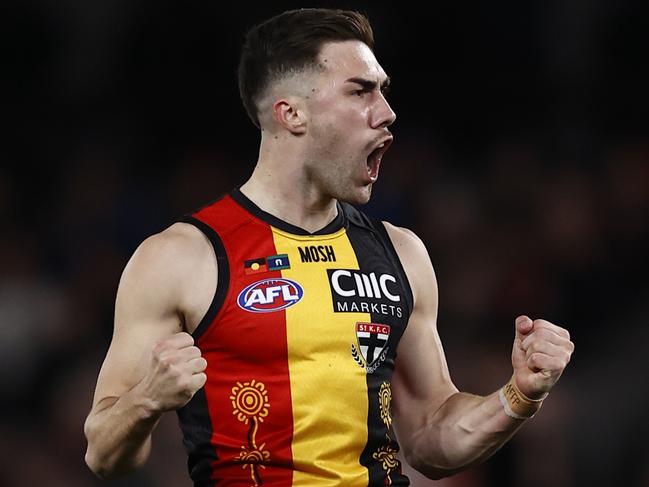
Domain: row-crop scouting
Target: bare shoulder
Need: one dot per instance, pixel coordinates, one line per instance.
(404, 239)
(151, 302)
(178, 243)
(169, 254)
(163, 270)
(414, 257)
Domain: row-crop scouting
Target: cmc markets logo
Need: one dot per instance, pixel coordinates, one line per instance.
(270, 295)
(354, 291)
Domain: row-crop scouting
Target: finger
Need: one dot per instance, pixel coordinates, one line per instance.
(523, 325)
(179, 356)
(549, 349)
(197, 365)
(546, 334)
(544, 324)
(180, 340)
(197, 381)
(540, 362)
(189, 353)
(174, 342)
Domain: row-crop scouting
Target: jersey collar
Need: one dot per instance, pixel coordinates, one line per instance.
(336, 224)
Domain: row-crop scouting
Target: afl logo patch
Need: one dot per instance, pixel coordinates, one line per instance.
(270, 295)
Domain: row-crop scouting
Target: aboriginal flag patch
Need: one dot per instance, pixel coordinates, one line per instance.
(255, 266)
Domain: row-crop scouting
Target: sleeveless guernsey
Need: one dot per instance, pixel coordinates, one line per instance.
(300, 340)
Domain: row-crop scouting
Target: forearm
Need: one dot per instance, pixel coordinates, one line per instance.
(119, 434)
(464, 431)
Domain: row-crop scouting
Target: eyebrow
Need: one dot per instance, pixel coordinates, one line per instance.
(367, 83)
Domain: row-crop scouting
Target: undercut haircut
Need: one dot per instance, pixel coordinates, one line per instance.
(289, 43)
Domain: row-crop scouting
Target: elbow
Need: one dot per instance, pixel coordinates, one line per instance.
(95, 466)
(433, 472)
(94, 460)
(433, 468)
(99, 459)
(438, 474)
(97, 463)
(104, 468)
(91, 457)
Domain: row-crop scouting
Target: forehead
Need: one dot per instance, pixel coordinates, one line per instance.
(343, 60)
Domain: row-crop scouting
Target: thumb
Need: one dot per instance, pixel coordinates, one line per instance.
(524, 325)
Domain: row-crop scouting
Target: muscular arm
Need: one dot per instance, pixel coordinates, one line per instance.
(151, 365)
(440, 429)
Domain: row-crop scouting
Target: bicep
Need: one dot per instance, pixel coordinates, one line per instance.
(421, 381)
(146, 311)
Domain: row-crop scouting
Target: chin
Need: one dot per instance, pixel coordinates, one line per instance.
(358, 196)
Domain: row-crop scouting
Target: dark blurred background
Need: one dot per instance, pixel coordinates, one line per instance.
(521, 158)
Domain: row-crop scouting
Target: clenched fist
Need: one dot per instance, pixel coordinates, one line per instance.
(540, 354)
(175, 372)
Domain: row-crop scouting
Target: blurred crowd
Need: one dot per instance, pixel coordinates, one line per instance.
(518, 224)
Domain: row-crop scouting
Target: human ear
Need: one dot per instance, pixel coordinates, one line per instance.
(288, 113)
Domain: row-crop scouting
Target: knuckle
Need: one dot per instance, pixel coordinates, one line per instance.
(544, 334)
(173, 369)
(183, 382)
(164, 359)
(187, 338)
(159, 347)
(535, 359)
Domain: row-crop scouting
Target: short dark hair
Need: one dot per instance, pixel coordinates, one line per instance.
(289, 42)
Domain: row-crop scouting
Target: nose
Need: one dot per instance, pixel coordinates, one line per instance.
(382, 115)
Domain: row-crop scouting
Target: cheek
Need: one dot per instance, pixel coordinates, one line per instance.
(337, 132)
(352, 114)
(341, 110)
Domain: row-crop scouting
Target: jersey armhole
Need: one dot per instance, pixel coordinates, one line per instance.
(379, 226)
(223, 275)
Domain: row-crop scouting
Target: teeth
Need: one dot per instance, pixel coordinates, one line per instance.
(382, 145)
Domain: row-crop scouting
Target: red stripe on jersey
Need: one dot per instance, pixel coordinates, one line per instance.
(248, 387)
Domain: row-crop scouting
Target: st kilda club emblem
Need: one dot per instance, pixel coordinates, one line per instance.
(372, 345)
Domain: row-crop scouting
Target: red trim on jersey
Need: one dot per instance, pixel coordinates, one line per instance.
(244, 350)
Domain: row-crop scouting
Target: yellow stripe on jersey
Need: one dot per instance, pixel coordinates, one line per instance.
(328, 389)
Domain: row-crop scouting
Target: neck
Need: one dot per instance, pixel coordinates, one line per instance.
(281, 187)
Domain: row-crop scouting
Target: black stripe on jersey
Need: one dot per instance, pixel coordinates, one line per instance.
(223, 280)
(375, 255)
(197, 439)
(378, 226)
(247, 204)
(201, 454)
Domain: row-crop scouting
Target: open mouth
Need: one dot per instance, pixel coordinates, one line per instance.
(374, 160)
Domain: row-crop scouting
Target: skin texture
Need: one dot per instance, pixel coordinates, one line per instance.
(318, 128)
(315, 143)
(441, 430)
